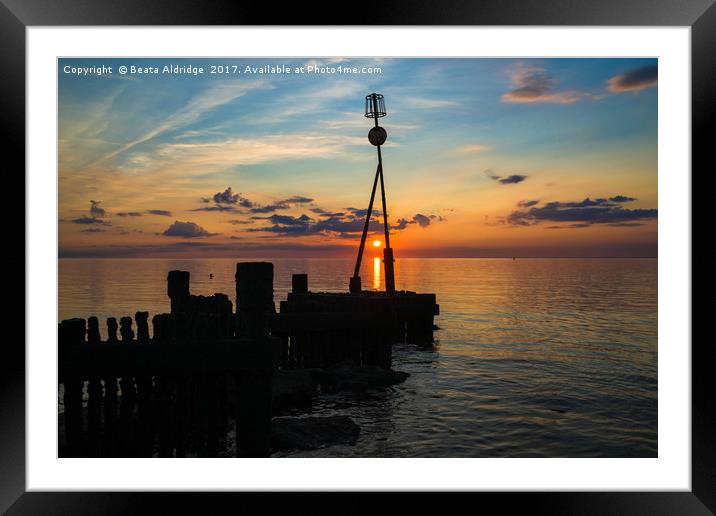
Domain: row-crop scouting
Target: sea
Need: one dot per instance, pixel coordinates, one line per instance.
(532, 357)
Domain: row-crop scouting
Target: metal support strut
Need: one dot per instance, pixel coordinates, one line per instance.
(355, 283)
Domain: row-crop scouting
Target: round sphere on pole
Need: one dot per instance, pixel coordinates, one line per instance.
(377, 135)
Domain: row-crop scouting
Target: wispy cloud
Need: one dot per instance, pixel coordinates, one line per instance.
(212, 97)
(178, 145)
(358, 121)
(245, 151)
(311, 100)
(428, 103)
(474, 148)
(634, 80)
(532, 85)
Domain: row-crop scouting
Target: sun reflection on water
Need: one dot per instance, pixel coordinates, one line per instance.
(376, 273)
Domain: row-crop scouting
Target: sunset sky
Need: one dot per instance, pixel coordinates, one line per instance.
(484, 157)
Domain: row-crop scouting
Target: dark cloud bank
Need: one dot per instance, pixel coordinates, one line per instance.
(581, 214)
(186, 230)
(345, 224)
(228, 200)
(95, 216)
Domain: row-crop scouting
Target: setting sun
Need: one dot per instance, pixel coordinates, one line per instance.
(376, 243)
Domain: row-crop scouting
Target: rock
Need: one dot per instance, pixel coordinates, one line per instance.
(292, 388)
(345, 377)
(296, 388)
(310, 433)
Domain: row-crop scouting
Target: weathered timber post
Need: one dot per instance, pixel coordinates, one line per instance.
(71, 332)
(109, 447)
(254, 297)
(160, 327)
(145, 430)
(299, 283)
(93, 336)
(178, 329)
(142, 326)
(127, 436)
(125, 329)
(254, 307)
(164, 392)
(178, 290)
(213, 414)
(181, 423)
(420, 329)
(386, 347)
(127, 333)
(398, 329)
(223, 311)
(111, 329)
(253, 418)
(94, 390)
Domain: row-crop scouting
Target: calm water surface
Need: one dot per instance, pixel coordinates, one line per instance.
(534, 358)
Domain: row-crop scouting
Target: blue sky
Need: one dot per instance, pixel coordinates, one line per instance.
(564, 130)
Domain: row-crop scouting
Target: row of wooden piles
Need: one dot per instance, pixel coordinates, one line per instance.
(206, 369)
(140, 397)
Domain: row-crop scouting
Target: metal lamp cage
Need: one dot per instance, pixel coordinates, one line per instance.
(374, 109)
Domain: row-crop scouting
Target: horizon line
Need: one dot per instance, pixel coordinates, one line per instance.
(507, 257)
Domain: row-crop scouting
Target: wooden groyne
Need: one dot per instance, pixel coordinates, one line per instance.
(319, 329)
(206, 369)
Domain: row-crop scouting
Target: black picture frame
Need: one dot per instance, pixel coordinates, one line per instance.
(17, 15)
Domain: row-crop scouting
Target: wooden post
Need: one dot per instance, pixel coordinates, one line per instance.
(420, 329)
(93, 336)
(254, 297)
(183, 414)
(213, 415)
(142, 326)
(127, 333)
(299, 283)
(145, 409)
(109, 447)
(127, 436)
(253, 418)
(354, 285)
(71, 332)
(94, 391)
(125, 329)
(165, 417)
(111, 329)
(178, 290)
(163, 391)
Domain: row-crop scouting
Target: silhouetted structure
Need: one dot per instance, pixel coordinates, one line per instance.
(320, 329)
(176, 389)
(205, 365)
(375, 108)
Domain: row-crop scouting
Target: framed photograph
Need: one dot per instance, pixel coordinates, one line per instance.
(447, 252)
